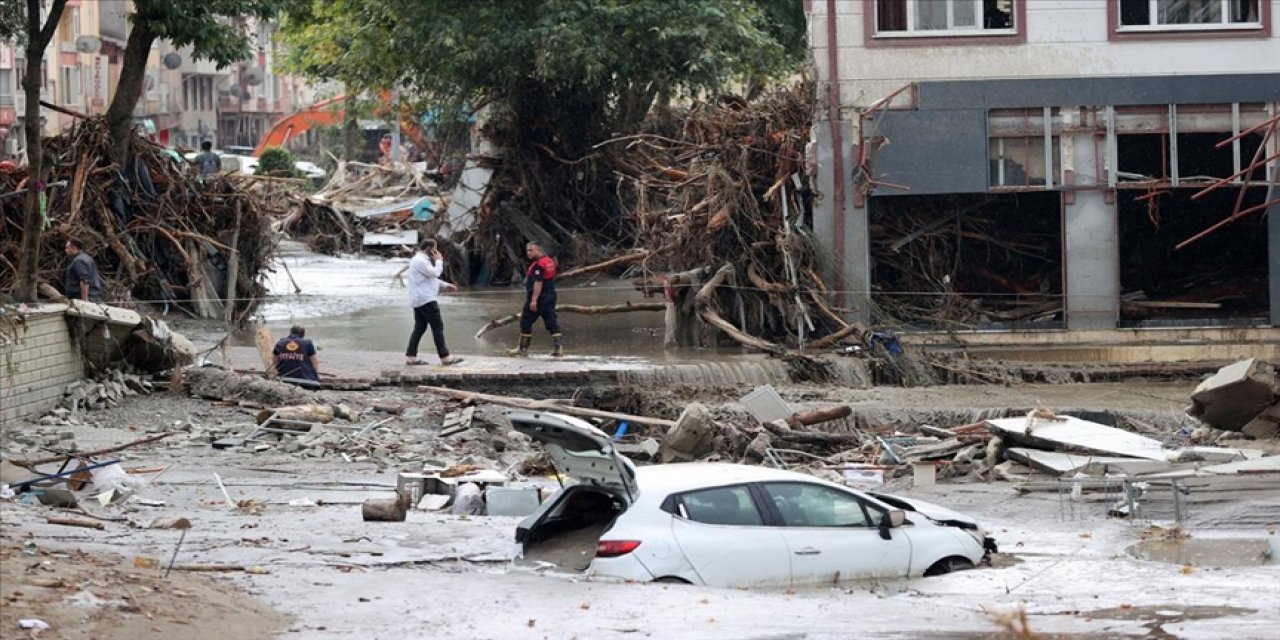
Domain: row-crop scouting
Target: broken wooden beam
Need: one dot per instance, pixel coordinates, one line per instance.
(543, 405)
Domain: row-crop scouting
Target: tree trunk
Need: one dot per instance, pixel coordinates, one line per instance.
(33, 226)
(351, 142)
(133, 73)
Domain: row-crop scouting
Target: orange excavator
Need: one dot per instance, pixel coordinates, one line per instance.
(327, 113)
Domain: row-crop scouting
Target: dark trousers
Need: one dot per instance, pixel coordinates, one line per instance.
(546, 311)
(427, 314)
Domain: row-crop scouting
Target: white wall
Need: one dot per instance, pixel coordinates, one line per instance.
(1065, 38)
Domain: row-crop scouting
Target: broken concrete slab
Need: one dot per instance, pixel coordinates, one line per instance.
(1056, 463)
(691, 437)
(1071, 434)
(1216, 454)
(1235, 395)
(1265, 466)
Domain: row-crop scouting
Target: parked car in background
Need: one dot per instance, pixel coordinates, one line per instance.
(728, 525)
(311, 171)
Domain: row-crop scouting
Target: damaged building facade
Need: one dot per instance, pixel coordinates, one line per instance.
(1066, 165)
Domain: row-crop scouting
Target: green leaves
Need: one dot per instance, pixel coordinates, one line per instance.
(485, 49)
(209, 27)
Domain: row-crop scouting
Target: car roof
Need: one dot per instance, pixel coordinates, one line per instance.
(665, 479)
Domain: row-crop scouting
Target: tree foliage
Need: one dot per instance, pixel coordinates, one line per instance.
(626, 51)
(556, 77)
(13, 23)
(277, 162)
(210, 27)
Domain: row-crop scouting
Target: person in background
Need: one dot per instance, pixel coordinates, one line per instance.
(207, 162)
(540, 301)
(81, 281)
(294, 356)
(424, 288)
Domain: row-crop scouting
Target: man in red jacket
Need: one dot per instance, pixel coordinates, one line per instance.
(539, 302)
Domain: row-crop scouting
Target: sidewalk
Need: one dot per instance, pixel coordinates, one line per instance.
(387, 367)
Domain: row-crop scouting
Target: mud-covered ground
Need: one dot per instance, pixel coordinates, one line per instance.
(321, 572)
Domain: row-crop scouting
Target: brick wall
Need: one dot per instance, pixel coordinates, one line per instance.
(36, 363)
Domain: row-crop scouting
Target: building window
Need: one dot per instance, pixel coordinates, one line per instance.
(71, 90)
(899, 18)
(1188, 15)
(1024, 148)
(6, 89)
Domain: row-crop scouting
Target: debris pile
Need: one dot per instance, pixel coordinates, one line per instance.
(157, 233)
(104, 391)
(365, 206)
(964, 266)
(722, 215)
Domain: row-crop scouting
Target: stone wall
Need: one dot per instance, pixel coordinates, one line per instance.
(37, 360)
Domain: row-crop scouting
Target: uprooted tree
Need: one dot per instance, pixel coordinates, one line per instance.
(557, 78)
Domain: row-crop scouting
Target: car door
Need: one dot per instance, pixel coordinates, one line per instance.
(723, 536)
(833, 535)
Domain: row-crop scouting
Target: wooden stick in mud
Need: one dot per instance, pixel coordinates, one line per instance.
(542, 405)
(73, 521)
(580, 309)
(92, 454)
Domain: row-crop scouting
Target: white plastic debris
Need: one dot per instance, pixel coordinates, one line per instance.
(303, 502)
(33, 623)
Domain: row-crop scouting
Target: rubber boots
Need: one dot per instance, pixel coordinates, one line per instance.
(523, 349)
(557, 345)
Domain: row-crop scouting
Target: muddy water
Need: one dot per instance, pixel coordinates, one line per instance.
(353, 304)
(1226, 552)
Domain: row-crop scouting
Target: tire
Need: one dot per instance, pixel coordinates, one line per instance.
(671, 580)
(948, 565)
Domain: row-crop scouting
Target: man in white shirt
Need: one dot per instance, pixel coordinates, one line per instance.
(424, 287)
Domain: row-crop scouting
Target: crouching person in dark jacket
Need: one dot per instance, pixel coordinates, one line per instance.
(295, 358)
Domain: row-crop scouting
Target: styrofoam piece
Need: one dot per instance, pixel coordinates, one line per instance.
(766, 405)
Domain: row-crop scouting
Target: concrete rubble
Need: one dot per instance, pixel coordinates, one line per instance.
(1243, 396)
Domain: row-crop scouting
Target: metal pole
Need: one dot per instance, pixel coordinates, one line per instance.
(395, 132)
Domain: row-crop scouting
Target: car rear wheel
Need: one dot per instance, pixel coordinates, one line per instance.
(948, 565)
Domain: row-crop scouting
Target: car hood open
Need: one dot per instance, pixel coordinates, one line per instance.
(579, 450)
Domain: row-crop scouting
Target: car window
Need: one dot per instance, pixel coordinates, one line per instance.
(723, 505)
(809, 505)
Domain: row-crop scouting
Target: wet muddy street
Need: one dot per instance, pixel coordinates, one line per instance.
(287, 534)
(361, 303)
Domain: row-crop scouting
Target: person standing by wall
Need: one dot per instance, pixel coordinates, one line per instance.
(81, 281)
(540, 301)
(424, 288)
(294, 356)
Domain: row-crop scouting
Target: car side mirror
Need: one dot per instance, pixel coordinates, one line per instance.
(893, 518)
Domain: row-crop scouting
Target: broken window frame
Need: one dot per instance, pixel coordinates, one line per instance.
(1168, 121)
(911, 9)
(1155, 9)
(1033, 128)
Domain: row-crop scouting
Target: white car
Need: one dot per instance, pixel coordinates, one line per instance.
(727, 525)
(310, 170)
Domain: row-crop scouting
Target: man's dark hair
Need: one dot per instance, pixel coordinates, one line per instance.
(206, 145)
(428, 245)
(298, 330)
(75, 242)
